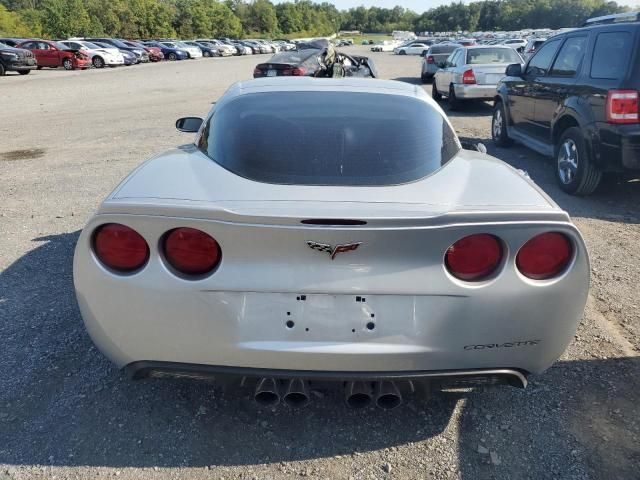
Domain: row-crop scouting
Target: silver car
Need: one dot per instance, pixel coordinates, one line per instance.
(330, 230)
(435, 56)
(472, 73)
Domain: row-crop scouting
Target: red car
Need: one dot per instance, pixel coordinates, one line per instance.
(155, 54)
(54, 55)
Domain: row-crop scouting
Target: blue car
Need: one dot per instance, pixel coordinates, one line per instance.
(169, 53)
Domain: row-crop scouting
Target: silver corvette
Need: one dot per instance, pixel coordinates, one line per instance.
(330, 230)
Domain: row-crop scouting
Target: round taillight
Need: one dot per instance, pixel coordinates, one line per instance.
(474, 258)
(191, 252)
(120, 248)
(544, 256)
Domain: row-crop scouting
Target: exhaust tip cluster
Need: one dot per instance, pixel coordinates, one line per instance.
(295, 393)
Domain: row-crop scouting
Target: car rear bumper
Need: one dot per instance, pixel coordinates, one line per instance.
(619, 147)
(445, 378)
(467, 92)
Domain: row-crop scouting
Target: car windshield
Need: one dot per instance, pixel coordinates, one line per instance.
(90, 45)
(333, 138)
(3, 45)
(476, 56)
(170, 44)
(60, 46)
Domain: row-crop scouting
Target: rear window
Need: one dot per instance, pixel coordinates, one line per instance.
(604, 63)
(328, 138)
(435, 50)
(478, 56)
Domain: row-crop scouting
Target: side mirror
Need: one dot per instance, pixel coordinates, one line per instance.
(514, 70)
(442, 65)
(189, 124)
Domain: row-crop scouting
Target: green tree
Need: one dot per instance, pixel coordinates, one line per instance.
(11, 23)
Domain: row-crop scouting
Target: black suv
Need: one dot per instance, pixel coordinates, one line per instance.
(576, 99)
(16, 60)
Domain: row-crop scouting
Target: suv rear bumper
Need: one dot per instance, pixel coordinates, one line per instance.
(619, 147)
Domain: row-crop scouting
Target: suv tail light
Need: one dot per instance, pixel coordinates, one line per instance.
(257, 72)
(544, 256)
(191, 251)
(468, 77)
(475, 257)
(622, 106)
(431, 60)
(120, 248)
(293, 72)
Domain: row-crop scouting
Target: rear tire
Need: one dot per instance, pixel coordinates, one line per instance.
(435, 94)
(454, 103)
(575, 171)
(425, 78)
(499, 126)
(2, 70)
(23, 72)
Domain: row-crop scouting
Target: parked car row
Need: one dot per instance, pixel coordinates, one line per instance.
(25, 54)
(576, 98)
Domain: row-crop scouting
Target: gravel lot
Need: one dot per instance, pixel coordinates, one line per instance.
(65, 412)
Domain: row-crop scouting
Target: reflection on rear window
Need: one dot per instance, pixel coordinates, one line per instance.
(605, 63)
(328, 138)
(478, 56)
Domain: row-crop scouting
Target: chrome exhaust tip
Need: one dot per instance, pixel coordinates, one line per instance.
(358, 394)
(267, 393)
(296, 394)
(387, 395)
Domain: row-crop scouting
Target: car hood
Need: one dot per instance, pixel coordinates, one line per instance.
(19, 51)
(471, 183)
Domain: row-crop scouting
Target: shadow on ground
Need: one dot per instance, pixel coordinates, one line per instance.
(62, 403)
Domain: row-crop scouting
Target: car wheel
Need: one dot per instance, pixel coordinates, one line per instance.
(499, 126)
(435, 94)
(2, 70)
(67, 64)
(425, 78)
(39, 68)
(454, 103)
(173, 56)
(21, 72)
(575, 171)
(402, 52)
(206, 54)
(424, 53)
(98, 62)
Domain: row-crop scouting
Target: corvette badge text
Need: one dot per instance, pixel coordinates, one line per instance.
(524, 343)
(333, 250)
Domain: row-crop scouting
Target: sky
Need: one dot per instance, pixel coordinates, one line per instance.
(416, 5)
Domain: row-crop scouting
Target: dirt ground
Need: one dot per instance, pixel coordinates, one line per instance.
(67, 138)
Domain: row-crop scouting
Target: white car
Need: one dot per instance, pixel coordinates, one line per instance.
(193, 51)
(330, 230)
(100, 56)
(515, 43)
(412, 49)
(385, 46)
(223, 49)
